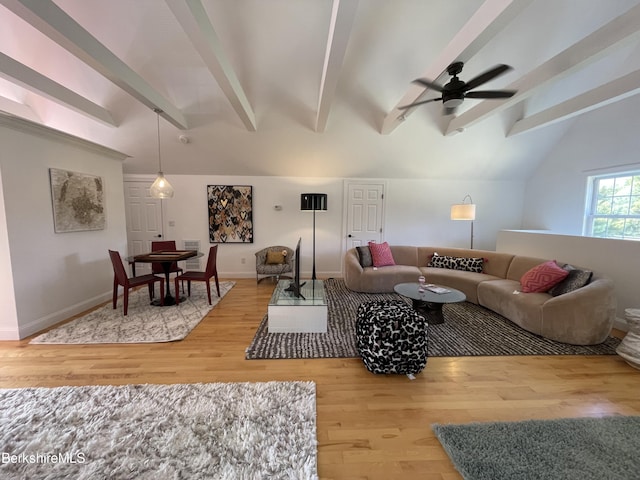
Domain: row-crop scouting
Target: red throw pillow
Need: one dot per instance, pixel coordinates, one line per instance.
(381, 254)
(542, 277)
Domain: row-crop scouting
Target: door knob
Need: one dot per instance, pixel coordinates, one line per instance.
(349, 235)
(159, 235)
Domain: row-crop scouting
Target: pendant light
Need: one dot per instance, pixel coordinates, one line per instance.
(161, 188)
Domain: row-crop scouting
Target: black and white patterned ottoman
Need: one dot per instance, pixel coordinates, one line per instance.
(391, 337)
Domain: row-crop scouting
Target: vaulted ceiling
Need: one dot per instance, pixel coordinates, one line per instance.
(312, 87)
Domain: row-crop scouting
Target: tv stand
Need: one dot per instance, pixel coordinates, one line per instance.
(288, 313)
(296, 290)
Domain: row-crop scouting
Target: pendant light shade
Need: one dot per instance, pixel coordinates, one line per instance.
(161, 188)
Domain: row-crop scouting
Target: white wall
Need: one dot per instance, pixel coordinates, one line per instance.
(54, 275)
(603, 141)
(9, 317)
(616, 259)
(416, 213)
(188, 210)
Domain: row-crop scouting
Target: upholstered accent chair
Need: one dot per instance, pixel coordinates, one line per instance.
(272, 262)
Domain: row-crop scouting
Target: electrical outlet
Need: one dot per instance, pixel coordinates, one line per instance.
(243, 260)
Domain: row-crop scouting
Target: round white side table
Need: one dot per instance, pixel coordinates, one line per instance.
(629, 348)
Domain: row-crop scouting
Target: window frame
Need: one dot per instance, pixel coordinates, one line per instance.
(592, 203)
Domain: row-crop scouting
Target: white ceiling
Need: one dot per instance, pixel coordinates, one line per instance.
(310, 87)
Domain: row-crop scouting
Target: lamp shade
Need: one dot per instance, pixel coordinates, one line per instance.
(313, 201)
(463, 211)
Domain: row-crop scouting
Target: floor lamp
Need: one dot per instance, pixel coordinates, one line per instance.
(464, 211)
(313, 202)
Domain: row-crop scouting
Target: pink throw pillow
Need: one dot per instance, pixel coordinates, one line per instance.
(381, 254)
(542, 277)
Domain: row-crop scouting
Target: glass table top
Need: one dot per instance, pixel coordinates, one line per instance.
(312, 291)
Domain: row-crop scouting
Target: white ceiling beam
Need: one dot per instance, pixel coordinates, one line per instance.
(343, 14)
(614, 35)
(194, 21)
(18, 110)
(52, 21)
(599, 97)
(489, 20)
(28, 78)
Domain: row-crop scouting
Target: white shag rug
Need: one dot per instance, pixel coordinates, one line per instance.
(144, 323)
(192, 431)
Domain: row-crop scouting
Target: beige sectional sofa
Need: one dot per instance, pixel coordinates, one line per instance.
(581, 317)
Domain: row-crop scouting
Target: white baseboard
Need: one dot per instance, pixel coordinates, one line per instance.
(47, 321)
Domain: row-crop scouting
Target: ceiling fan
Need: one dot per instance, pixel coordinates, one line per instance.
(454, 92)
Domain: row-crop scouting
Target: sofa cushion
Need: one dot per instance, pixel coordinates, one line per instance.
(542, 277)
(383, 279)
(364, 257)
(381, 254)
(575, 279)
(466, 282)
(503, 297)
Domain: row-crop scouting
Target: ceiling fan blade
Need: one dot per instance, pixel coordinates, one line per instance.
(428, 84)
(486, 76)
(404, 107)
(491, 94)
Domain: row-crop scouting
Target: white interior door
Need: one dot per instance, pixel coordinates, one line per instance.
(144, 221)
(365, 206)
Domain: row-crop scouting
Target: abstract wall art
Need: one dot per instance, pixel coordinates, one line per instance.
(78, 201)
(230, 213)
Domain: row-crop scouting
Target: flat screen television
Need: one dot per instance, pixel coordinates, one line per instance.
(295, 286)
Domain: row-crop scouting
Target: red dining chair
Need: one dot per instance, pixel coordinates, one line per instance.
(193, 276)
(120, 278)
(165, 245)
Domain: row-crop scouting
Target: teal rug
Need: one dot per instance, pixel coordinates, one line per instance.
(565, 449)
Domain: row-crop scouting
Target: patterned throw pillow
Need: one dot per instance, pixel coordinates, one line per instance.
(364, 256)
(274, 257)
(470, 264)
(576, 279)
(542, 277)
(443, 261)
(381, 254)
(457, 263)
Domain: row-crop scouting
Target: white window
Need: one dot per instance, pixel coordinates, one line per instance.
(613, 210)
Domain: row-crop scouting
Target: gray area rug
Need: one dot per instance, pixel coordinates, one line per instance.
(469, 330)
(144, 323)
(564, 449)
(192, 431)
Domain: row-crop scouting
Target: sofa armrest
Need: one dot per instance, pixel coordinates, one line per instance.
(352, 270)
(582, 317)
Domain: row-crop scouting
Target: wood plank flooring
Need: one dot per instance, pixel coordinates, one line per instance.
(369, 426)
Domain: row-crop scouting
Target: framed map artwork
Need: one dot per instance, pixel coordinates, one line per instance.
(78, 201)
(230, 213)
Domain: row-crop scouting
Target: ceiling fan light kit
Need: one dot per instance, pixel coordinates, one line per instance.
(454, 92)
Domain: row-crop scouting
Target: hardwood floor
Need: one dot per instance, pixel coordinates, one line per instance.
(369, 426)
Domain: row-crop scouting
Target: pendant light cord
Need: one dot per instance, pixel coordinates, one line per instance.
(158, 112)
